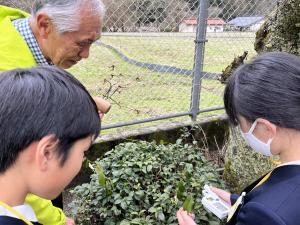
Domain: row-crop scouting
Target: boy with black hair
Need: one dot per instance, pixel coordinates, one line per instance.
(47, 121)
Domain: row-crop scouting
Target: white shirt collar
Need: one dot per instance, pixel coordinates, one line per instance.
(25, 210)
(296, 162)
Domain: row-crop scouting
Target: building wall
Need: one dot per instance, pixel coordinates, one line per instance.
(184, 28)
(256, 26)
(215, 28)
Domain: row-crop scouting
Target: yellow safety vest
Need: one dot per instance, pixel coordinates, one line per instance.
(14, 53)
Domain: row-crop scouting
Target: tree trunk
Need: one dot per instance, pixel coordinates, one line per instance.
(281, 32)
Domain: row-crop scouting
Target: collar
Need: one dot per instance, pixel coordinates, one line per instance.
(25, 210)
(22, 26)
(296, 162)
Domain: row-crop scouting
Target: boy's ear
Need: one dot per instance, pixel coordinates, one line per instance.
(46, 151)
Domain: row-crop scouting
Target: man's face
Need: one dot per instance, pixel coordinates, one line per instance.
(65, 50)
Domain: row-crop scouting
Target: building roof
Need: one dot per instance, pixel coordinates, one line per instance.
(210, 21)
(245, 21)
(215, 21)
(190, 21)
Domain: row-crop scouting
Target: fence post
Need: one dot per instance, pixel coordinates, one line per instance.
(199, 57)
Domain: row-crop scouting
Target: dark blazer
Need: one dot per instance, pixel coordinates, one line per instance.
(275, 202)
(6, 220)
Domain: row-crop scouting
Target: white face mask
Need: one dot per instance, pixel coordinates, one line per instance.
(255, 143)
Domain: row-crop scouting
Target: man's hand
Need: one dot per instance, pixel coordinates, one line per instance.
(69, 221)
(222, 194)
(185, 218)
(102, 105)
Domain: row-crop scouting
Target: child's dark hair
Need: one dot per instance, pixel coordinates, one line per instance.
(43, 101)
(269, 88)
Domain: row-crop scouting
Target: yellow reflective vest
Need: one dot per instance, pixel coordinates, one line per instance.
(14, 53)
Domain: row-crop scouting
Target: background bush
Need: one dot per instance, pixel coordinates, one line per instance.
(142, 180)
(242, 164)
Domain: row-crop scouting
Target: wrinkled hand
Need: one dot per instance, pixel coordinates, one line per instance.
(185, 218)
(222, 194)
(102, 105)
(101, 114)
(69, 221)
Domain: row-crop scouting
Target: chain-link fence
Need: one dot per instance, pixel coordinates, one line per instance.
(160, 59)
(150, 62)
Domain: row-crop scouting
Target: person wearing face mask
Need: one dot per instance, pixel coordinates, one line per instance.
(263, 99)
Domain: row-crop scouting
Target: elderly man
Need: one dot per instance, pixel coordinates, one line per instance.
(57, 33)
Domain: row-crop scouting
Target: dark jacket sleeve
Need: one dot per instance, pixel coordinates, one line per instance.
(257, 214)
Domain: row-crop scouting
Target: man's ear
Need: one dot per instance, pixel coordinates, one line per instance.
(46, 151)
(44, 25)
(271, 129)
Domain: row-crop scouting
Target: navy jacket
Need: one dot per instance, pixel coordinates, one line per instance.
(275, 202)
(6, 220)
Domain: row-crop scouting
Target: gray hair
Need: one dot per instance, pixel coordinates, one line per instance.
(66, 14)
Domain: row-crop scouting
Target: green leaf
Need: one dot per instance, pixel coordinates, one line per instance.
(101, 176)
(180, 190)
(189, 167)
(144, 169)
(152, 210)
(118, 201)
(179, 141)
(123, 205)
(161, 216)
(188, 204)
(149, 168)
(136, 221)
(125, 222)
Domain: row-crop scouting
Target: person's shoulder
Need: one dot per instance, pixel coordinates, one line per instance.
(12, 12)
(254, 213)
(282, 185)
(277, 198)
(278, 206)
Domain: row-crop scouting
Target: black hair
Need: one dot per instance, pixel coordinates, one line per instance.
(43, 101)
(268, 88)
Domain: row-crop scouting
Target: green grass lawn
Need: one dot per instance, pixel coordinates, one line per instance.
(138, 93)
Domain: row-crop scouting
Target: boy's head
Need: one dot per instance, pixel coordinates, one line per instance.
(47, 121)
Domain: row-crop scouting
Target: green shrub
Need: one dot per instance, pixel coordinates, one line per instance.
(242, 164)
(145, 183)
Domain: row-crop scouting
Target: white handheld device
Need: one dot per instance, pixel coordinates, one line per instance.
(214, 203)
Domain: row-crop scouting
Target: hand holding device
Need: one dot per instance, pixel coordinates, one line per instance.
(213, 203)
